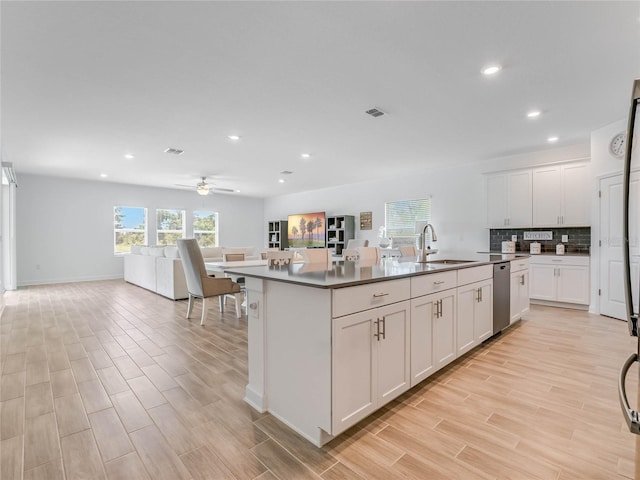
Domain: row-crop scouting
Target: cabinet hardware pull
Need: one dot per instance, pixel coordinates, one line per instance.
(439, 282)
(376, 295)
(377, 334)
(559, 260)
(384, 328)
(480, 292)
(521, 279)
(440, 307)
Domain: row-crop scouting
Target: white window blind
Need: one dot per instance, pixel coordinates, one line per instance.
(401, 216)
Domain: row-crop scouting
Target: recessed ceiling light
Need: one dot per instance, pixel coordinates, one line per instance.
(233, 137)
(103, 175)
(533, 114)
(281, 180)
(306, 155)
(237, 191)
(552, 139)
(129, 156)
(491, 70)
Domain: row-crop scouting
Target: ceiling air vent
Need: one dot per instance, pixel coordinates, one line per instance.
(286, 172)
(174, 151)
(375, 112)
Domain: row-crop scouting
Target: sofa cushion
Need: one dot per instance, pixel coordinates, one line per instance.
(171, 251)
(144, 250)
(156, 251)
(211, 252)
(135, 249)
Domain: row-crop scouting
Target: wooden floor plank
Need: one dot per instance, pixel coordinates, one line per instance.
(165, 399)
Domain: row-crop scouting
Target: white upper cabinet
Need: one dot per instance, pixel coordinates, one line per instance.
(549, 196)
(509, 199)
(561, 195)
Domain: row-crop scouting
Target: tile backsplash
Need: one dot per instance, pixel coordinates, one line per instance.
(579, 239)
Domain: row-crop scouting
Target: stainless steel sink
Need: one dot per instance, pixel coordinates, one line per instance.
(449, 262)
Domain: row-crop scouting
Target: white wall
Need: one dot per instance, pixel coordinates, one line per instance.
(603, 164)
(459, 212)
(65, 227)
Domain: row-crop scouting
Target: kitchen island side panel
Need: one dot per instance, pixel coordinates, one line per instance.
(298, 357)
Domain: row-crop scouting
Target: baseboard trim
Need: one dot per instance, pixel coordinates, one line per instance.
(29, 283)
(574, 306)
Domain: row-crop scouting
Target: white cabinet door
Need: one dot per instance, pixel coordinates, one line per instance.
(475, 315)
(547, 196)
(519, 199)
(483, 315)
(371, 363)
(423, 311)
(561, 195)
(444, 330)
(393, 345)
(542, 282)
(497, 201)
(573, 284)
(575, 195)
(519, 295)
(509, 199)
(465, 338)
(354, 369)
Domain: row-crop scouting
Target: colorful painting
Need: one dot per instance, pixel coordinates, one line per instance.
(307, 230)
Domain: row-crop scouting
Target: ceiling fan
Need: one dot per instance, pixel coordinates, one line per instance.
(204, 188)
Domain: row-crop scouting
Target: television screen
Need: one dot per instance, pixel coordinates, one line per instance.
(307, 230)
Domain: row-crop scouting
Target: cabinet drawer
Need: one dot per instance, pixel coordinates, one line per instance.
(363, 297)
(474, 274)
(560, 260)
(433, 282)
(518, 265)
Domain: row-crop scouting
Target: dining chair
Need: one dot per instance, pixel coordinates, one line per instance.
(368, 253)
(408, 251)
(279, 258)
(236, 257)
(315, 255)
(350, 254)
(354, 243)
(199, 284)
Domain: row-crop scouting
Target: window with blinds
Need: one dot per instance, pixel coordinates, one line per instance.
(401, 216)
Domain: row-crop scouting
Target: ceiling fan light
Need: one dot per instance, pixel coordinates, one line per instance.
(203, 189)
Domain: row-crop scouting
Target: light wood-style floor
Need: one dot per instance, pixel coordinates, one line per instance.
(107, 380)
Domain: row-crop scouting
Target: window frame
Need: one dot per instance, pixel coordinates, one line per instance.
(116, 230)
(215, 231)
(408, 229)
(182, 231)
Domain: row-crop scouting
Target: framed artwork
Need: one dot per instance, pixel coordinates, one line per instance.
(365, 220)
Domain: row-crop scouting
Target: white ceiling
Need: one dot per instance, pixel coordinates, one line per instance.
(83, 83)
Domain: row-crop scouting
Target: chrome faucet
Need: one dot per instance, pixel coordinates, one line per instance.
(434, 237)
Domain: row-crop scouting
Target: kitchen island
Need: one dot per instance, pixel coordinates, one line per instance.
(330, 344)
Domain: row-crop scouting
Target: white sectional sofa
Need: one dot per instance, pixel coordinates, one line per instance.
(159, 268)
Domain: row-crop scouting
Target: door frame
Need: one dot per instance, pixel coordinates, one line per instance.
(596, 239)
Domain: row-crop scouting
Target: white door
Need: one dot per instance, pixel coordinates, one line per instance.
(575, 195)
(612, 300)
(465, 337)
(394, 376)
(547, 196)
(519, 199)
(423, 310)
(483, 318)
(444, 330)
(354, 383)
(573, 284)
(497, 201)
(542, 282)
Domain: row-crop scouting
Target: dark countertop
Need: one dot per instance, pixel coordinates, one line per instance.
(343, 273)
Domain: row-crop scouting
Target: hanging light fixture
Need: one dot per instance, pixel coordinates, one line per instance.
(203, 187)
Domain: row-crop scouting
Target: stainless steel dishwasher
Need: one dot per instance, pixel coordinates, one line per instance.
(501, 296)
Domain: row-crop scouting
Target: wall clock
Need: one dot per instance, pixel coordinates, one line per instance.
(617, 145)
